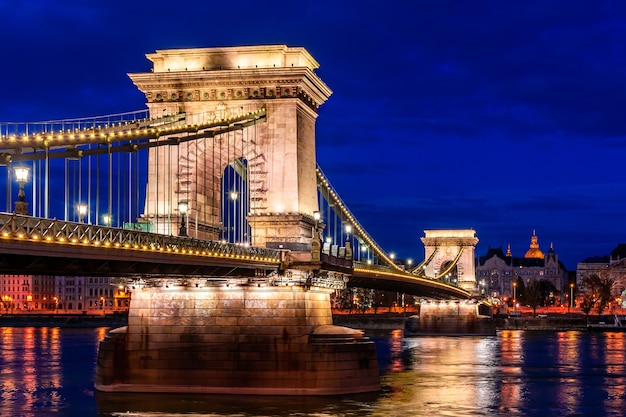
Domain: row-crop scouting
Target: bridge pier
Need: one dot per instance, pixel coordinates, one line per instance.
(229, 337)
(452, 317)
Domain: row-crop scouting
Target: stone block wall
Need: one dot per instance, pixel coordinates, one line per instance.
(244, 339)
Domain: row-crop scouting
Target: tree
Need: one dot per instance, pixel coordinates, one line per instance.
(378, 300)
(548, 290)
(587, 304)
(605, 290)
(598, 288)
(533, 296)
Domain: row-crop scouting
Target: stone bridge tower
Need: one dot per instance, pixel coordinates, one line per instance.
(281, 155)
(449, 256)
(268, 334)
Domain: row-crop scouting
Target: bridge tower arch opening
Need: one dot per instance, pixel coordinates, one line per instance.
(451, 256)
(235, 203)
(452, 274)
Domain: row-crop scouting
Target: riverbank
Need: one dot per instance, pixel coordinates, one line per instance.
(372, 322)
(64, 320)
(551, 323)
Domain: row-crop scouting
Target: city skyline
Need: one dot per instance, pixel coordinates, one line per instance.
(503, 118)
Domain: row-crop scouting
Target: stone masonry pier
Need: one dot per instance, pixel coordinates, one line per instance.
(235, 339)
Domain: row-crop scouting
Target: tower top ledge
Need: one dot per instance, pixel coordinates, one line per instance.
(231, 58)
(450, 233)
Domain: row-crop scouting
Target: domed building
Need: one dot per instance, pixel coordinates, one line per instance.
(497, 271)
(533, 251)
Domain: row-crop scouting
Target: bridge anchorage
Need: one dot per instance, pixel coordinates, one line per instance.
(232, 248)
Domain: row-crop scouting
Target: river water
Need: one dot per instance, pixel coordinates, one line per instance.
(49, 372)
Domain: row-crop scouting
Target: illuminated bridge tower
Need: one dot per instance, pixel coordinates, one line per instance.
(450, 256)
(271, 333)
(279, 153)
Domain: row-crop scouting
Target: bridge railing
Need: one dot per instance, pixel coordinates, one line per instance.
(375, 267)
(49, 126)
(34, 228)
(387, 269)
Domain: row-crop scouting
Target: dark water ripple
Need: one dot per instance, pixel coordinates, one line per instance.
(49, 372)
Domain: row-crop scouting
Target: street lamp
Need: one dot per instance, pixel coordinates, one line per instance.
(348, 248)
(182, 209)
(317, 217)
(234, 195)
(514, 294)
(106, 219)
(571, 297)
(21, 176)
(81, 208)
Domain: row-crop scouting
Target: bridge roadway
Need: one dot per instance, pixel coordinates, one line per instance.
(37, 246)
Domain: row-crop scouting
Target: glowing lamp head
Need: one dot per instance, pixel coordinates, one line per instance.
(21, 173)
(183, 207)
(234, 195)
(316, 215)
(82, 209)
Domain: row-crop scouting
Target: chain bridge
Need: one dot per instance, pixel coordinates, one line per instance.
(210, 198)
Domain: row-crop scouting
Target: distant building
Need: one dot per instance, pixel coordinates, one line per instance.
(40, 294)
(497, 271)
(26, 293)
(596, 265)
(103, 295)
(613, 267)
(71, 294)
(617, 268)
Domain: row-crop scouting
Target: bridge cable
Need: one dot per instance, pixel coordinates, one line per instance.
(452, 264)
(425, 262)
(324, 183)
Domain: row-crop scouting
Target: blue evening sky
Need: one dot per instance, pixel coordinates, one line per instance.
(501, 116)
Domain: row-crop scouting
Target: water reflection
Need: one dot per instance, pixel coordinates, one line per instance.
(50, 372)
(446, 376)
(24, 386)
(615, 378)
(224, 405)
(34, 375)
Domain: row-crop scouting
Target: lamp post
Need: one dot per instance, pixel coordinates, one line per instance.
(81, 208)
(21, 176)
(514, 295)
(182, 209)
(234, 195)
(316, 216)
(348, 248)
(571, 296)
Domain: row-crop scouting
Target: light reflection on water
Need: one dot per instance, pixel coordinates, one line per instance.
(49, 372)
